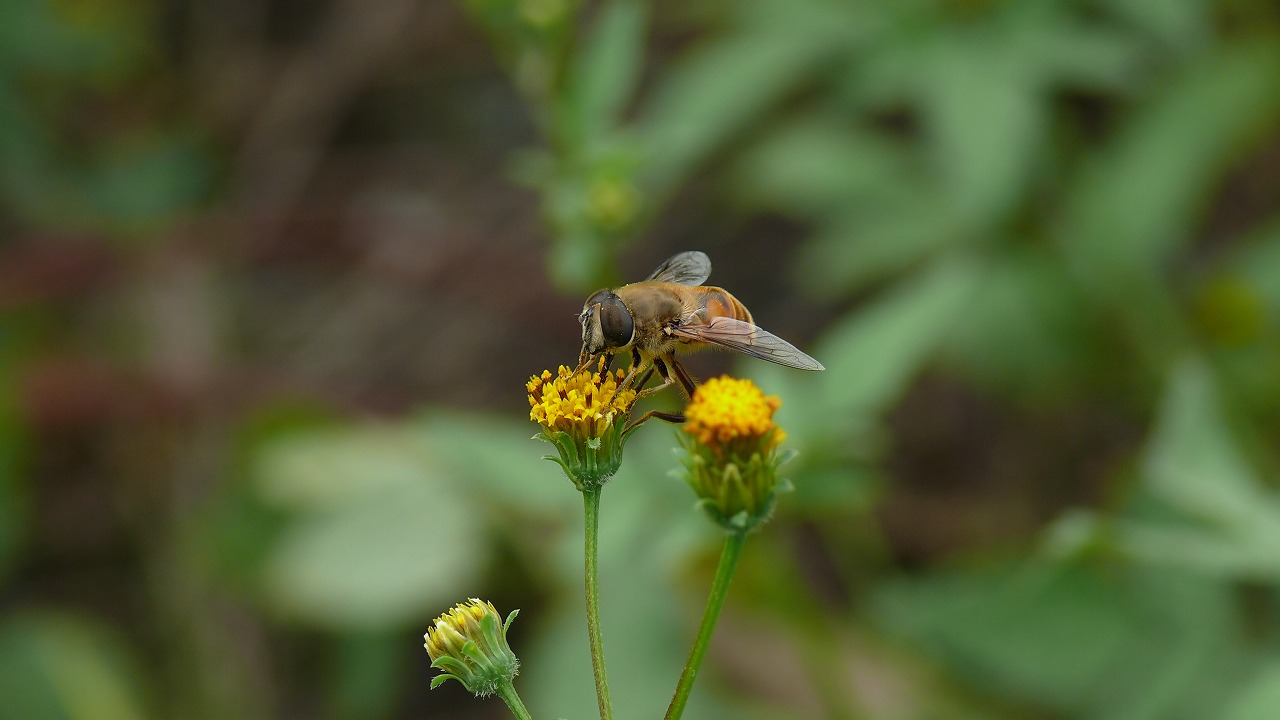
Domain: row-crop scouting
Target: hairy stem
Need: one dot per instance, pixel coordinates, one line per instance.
(508, 694)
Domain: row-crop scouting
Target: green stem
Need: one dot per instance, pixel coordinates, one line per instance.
(719, 590)
(591, 505)
(508, 693)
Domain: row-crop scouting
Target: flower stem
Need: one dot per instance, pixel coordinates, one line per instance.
(591, 506)
(719, 590)
(508, 693)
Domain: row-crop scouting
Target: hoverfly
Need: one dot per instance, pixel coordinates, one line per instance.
(672, 312)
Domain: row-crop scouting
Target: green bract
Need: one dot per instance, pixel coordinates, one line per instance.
(589, 462)
(737, 493)
(468, 645)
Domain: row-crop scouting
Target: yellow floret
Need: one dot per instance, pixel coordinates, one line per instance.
(583, 404)
(450, 631)
(725, 412)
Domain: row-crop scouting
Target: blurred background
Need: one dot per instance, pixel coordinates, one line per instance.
(273, 274)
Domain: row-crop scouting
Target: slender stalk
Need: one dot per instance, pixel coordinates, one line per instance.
(591, 506)
(715, 602)
(508, 694)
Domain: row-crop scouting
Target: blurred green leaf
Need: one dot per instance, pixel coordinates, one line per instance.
(87, 41)
(986, 119)
(1026, 331)
(379, 561)
(1132, 208)
(131, 186)
(722, 86)
(27, 175)
(366, 679)
(874, 353)
(819, 165)
(381, 535)
(330, 468)
(871, 357)
(578, 259)
(1048, 634)
(1181, 24)
(871, 244)
(1260, 698)
(53, 58)
(144, 181)
(1079, 640)
(603, 75)
(873, 212)
(1193, 462)
(1195, 465)
(1083, 56)
(1246, 553)
(1257, 259)
(498, 460)
(56, 666)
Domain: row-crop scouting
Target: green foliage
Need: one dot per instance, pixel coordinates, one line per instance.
(1084, 641)
(1037, 251)
(56, 666)
(376, 536)
(1035, 243)
(126, 179)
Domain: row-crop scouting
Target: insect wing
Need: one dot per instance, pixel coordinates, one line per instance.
(747, 338)
(687, 268)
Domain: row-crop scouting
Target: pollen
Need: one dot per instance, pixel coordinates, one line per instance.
(726, 413)
(584, 404)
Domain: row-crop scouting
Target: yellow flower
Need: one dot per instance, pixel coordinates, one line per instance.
(584, 415)
(468, 644)
(584, 403)
(726, 413)
(731, 458)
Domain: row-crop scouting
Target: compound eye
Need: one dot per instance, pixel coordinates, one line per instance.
(616, 323)
(596, 298)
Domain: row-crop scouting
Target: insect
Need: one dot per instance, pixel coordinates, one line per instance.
(672, 312)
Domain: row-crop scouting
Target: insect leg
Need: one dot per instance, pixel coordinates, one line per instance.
(666, 379)
(686, 381)
(638, 365)
(645, 378)
(668, 416)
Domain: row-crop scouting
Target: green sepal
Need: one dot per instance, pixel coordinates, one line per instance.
(496, 640)
(438, 680)
(450, 664)
(588, 462)
(785, 456)
(507, 623)
(484, 663)
(738, 494)
(556, 459)
(472, 652)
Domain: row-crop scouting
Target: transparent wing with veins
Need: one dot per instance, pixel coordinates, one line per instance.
(749, 339)
(687, 268)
